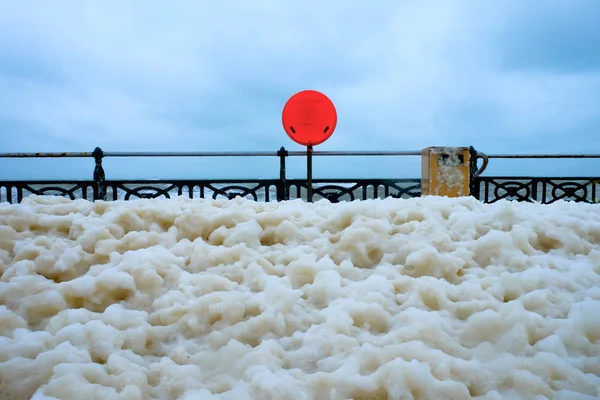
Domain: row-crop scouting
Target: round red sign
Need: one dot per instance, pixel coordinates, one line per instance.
(309, 118)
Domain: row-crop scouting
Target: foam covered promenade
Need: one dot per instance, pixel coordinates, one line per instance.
(424, 298)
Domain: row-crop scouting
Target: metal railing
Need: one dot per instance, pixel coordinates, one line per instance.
(486, 188)
(99, 188)
(544, 190)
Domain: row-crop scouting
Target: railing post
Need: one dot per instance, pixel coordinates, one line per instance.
(473, 184)
(282, 189)
(99, 178)
(309, 194)
(475, 171)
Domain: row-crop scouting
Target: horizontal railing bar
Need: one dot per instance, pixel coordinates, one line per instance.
(543, 155)
(261, 154)
(208, 154)
(357, 153)
(266, 154)
(207, 181)
(293, 180)
(46, 155)
(538, 178)
(191, 154)
(140, 154)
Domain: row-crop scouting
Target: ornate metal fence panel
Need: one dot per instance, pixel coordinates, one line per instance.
(334, 190)
(355, 189)
(15, 191)
(257, 190)
(544, 190)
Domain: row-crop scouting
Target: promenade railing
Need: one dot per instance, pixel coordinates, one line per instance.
(486, 188)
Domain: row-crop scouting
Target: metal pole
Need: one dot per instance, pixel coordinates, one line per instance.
(309, 151)
(270, 154)
(99, 177)
(543, 156)
(192, 154)
(47, 155)
(282, 185)
(360, 153)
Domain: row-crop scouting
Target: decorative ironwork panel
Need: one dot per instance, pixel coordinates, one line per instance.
(260, 190)
(542, 190)
(15, 191)
(337, 190)
(487, 189)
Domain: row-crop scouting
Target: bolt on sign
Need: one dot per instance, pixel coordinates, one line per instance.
(309, 118)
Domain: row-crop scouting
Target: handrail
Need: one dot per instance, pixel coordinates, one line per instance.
(46, 155)
(265, 154)
(486, 157)
(543, 156)
(357, 153)
(208, 154)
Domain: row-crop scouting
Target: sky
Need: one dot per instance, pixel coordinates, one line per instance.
(505, 77)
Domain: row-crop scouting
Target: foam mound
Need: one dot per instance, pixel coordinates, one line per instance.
(427, 298)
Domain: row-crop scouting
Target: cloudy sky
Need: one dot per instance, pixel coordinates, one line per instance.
(506, 76)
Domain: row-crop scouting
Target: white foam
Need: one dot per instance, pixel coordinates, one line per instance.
(426, 298)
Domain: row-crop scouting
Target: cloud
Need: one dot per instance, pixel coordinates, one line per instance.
(502, 76)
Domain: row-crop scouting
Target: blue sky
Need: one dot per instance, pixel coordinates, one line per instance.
(503, 76)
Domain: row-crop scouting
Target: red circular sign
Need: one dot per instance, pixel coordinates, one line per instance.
(309, 118)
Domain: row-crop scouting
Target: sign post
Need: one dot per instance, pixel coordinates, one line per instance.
(309, 150)
(309, 119)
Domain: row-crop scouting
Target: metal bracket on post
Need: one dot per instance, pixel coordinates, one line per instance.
(99, 177)
(475, 171)
(473, 187)
(282, 189)
(309, 152)
(485, 159)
